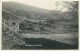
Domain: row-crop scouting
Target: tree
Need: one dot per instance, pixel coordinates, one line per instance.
(71, 7)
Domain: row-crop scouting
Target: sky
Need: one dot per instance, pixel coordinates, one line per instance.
(45, 4)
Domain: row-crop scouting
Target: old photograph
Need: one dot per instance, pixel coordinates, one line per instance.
(40, 25)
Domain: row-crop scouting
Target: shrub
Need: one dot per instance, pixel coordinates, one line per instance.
(9, 40)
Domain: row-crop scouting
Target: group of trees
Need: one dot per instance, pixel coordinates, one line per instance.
(71, 6)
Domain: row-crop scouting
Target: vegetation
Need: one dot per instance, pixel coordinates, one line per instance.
(32, 19)
(11, 39)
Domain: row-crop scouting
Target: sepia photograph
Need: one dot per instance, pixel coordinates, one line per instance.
(40, 25)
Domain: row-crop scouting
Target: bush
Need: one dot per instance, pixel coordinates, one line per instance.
(9, 40)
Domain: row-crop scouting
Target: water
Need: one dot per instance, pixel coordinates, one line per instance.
(42, 43)
(64, 38)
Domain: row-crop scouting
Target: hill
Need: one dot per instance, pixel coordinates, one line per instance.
(14, 6)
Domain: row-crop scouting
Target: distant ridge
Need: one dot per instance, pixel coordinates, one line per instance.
(19, 6)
